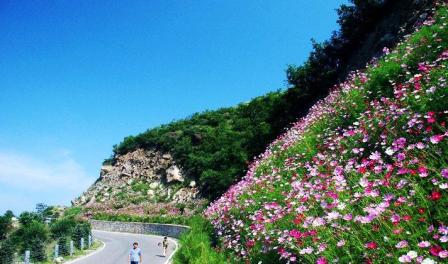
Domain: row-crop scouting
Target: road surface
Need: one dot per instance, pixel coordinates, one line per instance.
(117, 246)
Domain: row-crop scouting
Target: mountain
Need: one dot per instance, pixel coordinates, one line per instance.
(213, 148)
(363, 177)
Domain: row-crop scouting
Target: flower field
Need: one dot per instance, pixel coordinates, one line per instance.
(363, 178)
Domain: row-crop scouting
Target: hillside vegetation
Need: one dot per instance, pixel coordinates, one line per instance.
(215, 147)
(362, 178)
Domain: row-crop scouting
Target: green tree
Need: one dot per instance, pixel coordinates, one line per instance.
(62, 227)
(64, 248)
(9, 214)
(26, 218)
(6, 252)
(81, 230)
(26, 235)
(5, 226)
(37, 249)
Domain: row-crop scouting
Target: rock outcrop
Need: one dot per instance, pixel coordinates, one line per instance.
(142, 182)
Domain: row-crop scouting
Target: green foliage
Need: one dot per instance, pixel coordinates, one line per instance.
(140, 187)
(64, 248)
(5, 226)
(6, 252)
(37, 249)
(9, 214)
(179, 220)
(62, 227)
(72, 212)
(27, 218)
(196, 245)
(28, 234)
(81, 230)
(181, 207)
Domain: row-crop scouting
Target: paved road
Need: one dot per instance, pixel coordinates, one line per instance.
(118, 245)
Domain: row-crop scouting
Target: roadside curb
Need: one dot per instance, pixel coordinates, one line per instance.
(88, 255)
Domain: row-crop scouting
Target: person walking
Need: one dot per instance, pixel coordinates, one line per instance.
(165, 246)
(135, 256)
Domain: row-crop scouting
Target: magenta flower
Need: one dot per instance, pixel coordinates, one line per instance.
(444, 173)
(436, 139)
(322, 260)
(295, 234)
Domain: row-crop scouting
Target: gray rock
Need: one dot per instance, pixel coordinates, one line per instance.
(192, 184)
(173, 173)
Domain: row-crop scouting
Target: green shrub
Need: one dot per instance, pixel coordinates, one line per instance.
(7, 251)
(26, 218)
(64, 248)
(26, 235)
(72, 211)
(179, 220)
(196, 245)
(37, 250)
(5, 226)
(81, 230)
(63, 227)
(140, 187)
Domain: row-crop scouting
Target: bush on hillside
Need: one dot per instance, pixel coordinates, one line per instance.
(81, 230)
(5, 226)
(26, 235)
(62, 227)
(64, 247)
(37, 249)
(27, 218)
(7, 251)
(179, 220)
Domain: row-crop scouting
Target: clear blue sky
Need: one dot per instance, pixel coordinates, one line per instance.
(78, 76)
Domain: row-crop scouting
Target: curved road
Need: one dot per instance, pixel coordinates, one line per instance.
(117, 246)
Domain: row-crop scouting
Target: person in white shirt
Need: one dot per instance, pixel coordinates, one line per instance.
(135, 256)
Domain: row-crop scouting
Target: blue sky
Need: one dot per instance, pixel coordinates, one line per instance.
(78, 76)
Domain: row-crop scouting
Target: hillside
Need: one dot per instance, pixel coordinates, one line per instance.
(362, 178)
(213, 148)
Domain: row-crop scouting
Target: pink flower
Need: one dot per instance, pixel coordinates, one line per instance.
(424, 244)
(371, 245)
(435, 196)
(375, 156)
(443, 254)
(341, 243)
(295, 234)
(436, 139)
(322, 260)
(423, 172)
(405, 259)
(444, 173)
(402, 244)
(435, 250)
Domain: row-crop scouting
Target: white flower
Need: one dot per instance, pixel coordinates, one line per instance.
(412, 254)
(375, 156)
(389, 151)
(428, 261)
(307, 250)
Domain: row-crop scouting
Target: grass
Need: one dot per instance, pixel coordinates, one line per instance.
(196, 246)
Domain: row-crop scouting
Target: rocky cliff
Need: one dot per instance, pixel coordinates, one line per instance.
(141, 182)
